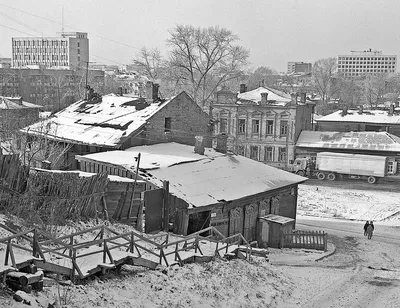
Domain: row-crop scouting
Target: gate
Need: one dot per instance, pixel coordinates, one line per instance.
(250, 222)
(236, 221)
(154, 207)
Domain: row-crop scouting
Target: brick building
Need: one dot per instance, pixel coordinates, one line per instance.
(113, 121)
(262, 124)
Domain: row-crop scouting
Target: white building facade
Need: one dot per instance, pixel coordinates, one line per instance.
(360, 63)
(70, 50)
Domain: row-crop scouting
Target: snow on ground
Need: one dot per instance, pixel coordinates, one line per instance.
(339, 202)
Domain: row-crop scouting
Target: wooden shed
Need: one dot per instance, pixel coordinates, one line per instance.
(272, 227)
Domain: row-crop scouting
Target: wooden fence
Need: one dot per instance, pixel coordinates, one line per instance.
(305, 239)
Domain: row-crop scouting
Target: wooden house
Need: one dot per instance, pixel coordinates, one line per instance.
(224, 190)
(368, 143)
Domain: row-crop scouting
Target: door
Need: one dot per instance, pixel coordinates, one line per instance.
(236, 221)
(250, 222)
(154, 207)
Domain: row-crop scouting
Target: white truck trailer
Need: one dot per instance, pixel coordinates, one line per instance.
(331, 165)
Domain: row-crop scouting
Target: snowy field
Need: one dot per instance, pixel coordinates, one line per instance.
(348, 203)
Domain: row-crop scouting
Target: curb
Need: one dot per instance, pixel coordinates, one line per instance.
(327, 255)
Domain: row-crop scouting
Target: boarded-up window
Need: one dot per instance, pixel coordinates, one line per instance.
(254, 152)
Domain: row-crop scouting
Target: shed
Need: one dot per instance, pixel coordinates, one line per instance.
(272, 227)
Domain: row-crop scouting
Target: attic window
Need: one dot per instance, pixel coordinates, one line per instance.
(167, 125)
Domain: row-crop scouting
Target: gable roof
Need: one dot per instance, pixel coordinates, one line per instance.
(106, 122)
(199, 180)
(280, 97)
(368, 116)
(372, 141)
(16, 103)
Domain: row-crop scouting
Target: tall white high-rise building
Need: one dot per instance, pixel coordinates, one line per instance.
(70, 50)
(360, 63)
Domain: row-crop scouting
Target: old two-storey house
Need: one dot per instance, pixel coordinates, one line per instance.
(262, 124)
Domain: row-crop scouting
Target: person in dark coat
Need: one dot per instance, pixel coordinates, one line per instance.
(366, 227)
(370, 230)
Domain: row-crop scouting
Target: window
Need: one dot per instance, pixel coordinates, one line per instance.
(242, 126)
(240, 150)
(284, 128)
(282, 154)
(270, 127)
(269, 154)
(254, 152)
(167, 125)
(223, 125)
(255, 127)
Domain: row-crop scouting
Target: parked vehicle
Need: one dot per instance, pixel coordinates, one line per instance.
(333, 165)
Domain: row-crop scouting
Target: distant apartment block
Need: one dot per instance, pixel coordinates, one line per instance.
(299, 68)
(359, 63)
(70, 50)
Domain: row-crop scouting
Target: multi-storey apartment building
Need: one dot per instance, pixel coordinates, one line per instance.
(299, 68)
(262, 124)
(70, 50)
(360, 63)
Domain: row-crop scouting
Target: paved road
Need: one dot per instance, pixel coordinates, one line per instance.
(362, 273)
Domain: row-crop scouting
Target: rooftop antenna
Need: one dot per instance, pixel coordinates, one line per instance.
(62, 21)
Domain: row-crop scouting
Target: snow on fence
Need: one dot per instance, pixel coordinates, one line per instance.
(305, 239)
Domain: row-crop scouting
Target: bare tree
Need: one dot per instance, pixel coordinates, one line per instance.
(262, 76)
(374, 89)
(203, 59)
(149, 63)
(323, 71)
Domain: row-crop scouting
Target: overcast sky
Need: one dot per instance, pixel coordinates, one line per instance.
(275, 32)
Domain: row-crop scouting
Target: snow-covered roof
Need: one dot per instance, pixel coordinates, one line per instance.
(105, 122)
(111, 178)
(16, 103)
(200, 180)
(280, 97)
(368, 116)
(372, 141)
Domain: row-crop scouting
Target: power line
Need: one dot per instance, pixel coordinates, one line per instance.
(44, 18)
(20, 22)
(15, 30)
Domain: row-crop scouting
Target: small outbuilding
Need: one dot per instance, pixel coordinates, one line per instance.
(272, 227)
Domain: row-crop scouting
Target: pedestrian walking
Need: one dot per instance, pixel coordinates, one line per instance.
(366, 227)
(370, 230)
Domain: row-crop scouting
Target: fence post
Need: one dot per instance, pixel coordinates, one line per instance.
(71, 243)
(325, 241)
(34, 243)
(104, 251)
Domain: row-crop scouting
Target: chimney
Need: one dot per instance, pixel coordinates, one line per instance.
(120, 92)
(222, 143)
(360, 109)
(294, 98)
(243, 88)
(199, 145)
(151, 92)
(264, 98)
(391, 110)
(303, 97)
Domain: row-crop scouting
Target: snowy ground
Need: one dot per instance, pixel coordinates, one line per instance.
(352, 277)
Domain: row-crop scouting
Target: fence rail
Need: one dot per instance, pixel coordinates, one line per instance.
(305, 239)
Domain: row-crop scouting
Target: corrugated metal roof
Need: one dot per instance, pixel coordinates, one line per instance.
(368, 116)
(200, 180)
(372, 141)
(101, 123)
